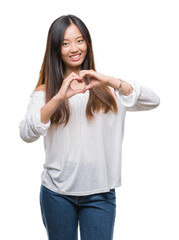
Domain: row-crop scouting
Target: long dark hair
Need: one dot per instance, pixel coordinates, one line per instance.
(52, 72)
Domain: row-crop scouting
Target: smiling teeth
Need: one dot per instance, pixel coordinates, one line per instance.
(75, 56)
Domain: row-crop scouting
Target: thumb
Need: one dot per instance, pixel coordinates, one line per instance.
(88, 86)
(79, 91)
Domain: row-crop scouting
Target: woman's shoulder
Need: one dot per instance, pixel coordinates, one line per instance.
(40, 88)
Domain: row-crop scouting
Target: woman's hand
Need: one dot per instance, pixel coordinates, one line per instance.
(66, 91)
(95, 78)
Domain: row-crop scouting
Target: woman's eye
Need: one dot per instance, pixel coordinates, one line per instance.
(64, 44)
(80, 40)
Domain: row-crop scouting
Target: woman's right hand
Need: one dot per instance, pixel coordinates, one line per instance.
(66, 91)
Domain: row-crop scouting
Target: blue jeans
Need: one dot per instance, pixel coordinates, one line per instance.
(95, 213)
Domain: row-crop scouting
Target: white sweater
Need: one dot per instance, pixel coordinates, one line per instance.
(84, 157)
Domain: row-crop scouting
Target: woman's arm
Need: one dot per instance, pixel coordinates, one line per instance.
(125, 87)
(31, 127)
(48, 110)
(37, 119)
(132, 95)
(140, 98)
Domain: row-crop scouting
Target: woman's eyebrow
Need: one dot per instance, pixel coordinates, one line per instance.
(76, 38)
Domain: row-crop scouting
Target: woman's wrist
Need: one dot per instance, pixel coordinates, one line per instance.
(125, 88)
(58, 98)
(120, 85)
(113, 82)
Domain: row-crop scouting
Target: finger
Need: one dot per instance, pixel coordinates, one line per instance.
(88, 86)
(86, 73)
(78, 91)
(68, 81)
(74, 78)
(73, 74)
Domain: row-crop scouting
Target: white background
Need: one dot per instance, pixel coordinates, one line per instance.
(133, 40)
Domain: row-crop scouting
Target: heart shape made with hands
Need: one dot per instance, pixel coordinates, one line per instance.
(76, 84)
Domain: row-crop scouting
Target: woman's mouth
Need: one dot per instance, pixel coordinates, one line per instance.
(75, 57)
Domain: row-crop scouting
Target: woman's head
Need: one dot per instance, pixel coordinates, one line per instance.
(78, 41)
(73, 49)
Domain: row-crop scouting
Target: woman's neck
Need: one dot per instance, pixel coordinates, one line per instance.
(70, 70)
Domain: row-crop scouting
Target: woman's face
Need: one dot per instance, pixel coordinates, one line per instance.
(74, 47)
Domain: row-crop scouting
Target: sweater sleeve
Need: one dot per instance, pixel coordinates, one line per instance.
(31, 127)
(141, 99)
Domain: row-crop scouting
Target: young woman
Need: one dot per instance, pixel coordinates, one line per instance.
(81, 115)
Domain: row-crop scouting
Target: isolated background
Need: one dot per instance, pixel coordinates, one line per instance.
(133, 40)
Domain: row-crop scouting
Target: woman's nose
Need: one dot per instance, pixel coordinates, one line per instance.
(74, 48)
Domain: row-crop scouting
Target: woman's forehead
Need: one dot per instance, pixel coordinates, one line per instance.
(72, 32)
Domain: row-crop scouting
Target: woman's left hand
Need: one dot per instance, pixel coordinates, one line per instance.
(95, 78)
